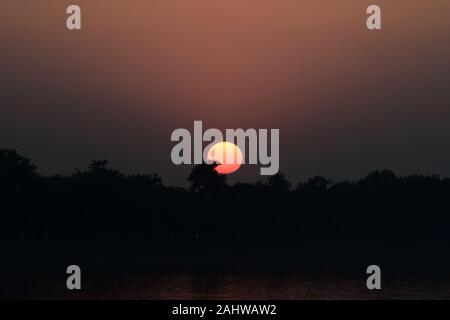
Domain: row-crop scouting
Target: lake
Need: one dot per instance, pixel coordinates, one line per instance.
(242, 286)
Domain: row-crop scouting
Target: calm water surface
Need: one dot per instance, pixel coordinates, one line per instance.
(245, 286)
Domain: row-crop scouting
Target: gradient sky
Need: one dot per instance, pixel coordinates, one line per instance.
(346, 100)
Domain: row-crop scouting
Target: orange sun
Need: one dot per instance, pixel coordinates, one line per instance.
(227, 155)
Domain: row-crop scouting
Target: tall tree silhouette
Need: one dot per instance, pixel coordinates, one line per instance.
(204, 178)
(16, 171)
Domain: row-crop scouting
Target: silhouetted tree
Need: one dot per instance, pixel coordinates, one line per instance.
(16, 171)
(399, 212)
(382, 178)
(204, 178)
(278, 183)
(99, 173)
(315, 184)
(149, 182)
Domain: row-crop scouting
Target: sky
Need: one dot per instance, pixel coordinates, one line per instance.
(346, 100)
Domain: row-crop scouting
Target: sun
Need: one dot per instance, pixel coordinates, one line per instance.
(227, 155)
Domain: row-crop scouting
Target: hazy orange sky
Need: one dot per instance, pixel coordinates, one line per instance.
(346, 100)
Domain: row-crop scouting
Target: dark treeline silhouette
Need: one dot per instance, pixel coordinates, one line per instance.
(103, 203)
